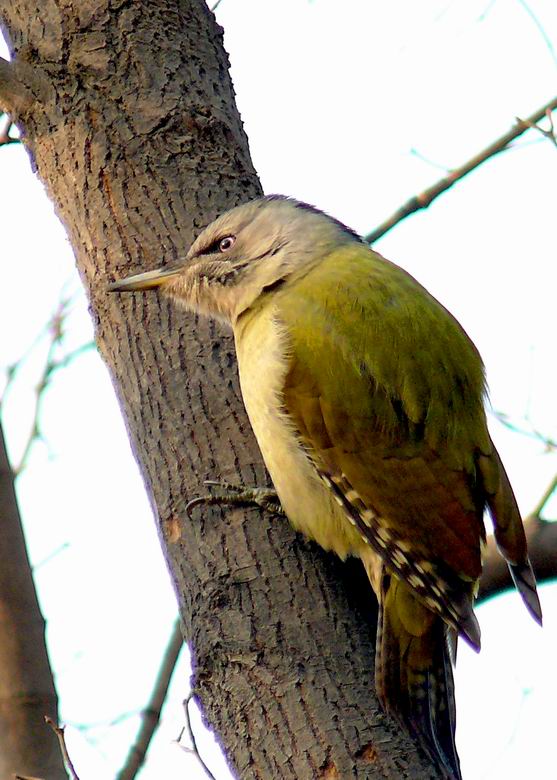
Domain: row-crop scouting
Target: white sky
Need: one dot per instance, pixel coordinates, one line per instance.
(334, 97)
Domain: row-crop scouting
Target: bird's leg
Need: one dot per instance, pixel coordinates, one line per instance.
(231, 494)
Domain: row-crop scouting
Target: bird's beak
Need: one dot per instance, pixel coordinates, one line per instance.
(146, 281)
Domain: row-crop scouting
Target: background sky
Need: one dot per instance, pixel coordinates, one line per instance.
(355, 107)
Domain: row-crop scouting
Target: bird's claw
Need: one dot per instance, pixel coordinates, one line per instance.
(238, 495)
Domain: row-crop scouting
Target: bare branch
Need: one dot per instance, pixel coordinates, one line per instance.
(59, 731)
(28, 691)
(69, 357)
(550, 490)
(425, 198)
(152, 712)
(194, 749)
(14, 95)
(55, 330)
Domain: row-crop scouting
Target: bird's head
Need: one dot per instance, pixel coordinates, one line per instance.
(245, 253)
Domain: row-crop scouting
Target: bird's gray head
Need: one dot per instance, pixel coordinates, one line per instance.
(245, 253)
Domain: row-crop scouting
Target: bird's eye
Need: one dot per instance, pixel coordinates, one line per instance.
(226, 243)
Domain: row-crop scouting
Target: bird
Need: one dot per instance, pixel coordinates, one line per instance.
(367, 400)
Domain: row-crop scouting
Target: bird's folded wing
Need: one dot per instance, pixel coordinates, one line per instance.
(414, 510)
(393, 422)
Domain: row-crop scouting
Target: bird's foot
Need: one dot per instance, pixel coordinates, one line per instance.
(238, 495)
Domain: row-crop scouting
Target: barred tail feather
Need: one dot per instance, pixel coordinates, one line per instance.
(413, 672)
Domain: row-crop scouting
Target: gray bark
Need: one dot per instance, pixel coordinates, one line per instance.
(134, 131)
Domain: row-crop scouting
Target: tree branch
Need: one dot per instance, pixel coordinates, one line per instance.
(14, 95)
(425, 198)
(546, 496)
(25, 676)
(59, 731)
(548, 133)
(152, 712)
(194, 749)
(55, 329)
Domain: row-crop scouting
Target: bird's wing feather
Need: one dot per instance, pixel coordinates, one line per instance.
(509, 530)
(397, 443)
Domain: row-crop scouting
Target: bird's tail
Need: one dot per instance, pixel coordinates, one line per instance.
(413, 672)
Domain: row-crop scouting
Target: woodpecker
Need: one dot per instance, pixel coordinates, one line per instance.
(367, 400)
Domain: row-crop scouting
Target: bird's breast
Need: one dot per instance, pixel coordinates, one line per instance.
(262, 347)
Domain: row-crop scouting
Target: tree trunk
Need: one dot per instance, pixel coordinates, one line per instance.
(27, 694)
(128, 114)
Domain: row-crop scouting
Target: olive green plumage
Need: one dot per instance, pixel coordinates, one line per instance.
(366, 398)
(391, 339)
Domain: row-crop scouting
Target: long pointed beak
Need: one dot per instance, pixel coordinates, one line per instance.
(146, 281)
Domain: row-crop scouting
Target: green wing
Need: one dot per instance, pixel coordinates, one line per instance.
(386, 391)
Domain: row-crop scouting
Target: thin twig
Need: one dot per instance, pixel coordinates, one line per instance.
(69, 357)
(541, 29)
(11, 371)
(56, 331)
(152, 712)
(549, 133)
(549, 443)
(63, 362)
(540, 506)
(484, 14)
(56, 328)
(215, 6)
(5, 137)
(50, 556)
(416, 153)
(59, 731)
(194, 749)
(425, 198)
(53, 329)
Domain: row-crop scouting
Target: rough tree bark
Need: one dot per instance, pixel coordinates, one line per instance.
(27, 690)
(128, 115)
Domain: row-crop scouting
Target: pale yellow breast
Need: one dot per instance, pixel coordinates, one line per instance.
(262, 349)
